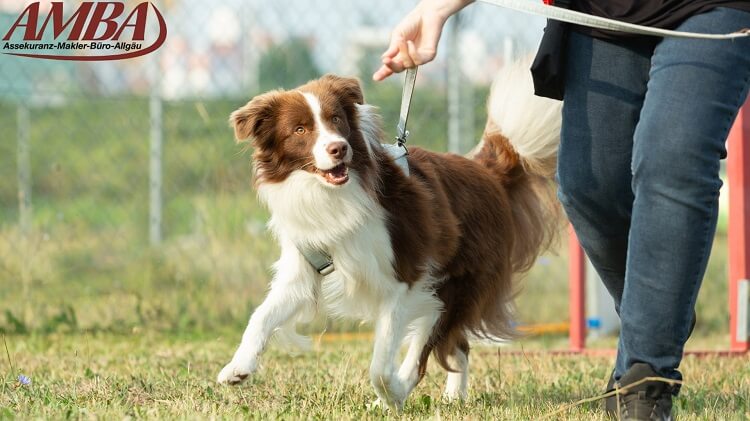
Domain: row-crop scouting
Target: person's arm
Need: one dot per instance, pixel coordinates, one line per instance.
(415, 39)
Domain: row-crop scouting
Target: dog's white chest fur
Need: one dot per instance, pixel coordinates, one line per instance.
(364, 271)
(347, 223)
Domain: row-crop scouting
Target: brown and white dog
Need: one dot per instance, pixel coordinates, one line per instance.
(429, 257)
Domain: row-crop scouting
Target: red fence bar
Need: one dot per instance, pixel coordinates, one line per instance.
(577, 288)
(738, 173)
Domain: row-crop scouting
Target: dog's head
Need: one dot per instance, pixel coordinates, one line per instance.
(313, 128)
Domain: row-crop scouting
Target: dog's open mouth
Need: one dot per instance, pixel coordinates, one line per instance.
(337, 175)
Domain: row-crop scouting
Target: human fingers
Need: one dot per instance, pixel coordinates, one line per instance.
(382, 73)
(396, 65)
(391, 51)
(413, 53)
(403, 57)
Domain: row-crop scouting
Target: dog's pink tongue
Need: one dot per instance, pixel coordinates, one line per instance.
(339, 171)
(336, 174)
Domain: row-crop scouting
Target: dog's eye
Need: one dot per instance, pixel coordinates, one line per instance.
(336, 119)
(299, 130)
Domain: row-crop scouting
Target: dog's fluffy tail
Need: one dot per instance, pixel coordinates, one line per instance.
(519, 146)
(521, 125)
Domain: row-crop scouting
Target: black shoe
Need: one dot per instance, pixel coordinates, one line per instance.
(650, 400)
(610, 403)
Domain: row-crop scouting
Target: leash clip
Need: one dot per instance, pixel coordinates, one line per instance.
(401, 138)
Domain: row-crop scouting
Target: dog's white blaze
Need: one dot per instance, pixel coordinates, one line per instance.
(323, 159)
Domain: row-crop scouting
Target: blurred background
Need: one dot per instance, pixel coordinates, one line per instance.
(126, 205)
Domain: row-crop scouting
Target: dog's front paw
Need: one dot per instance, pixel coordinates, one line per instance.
(390, 392)
(381, 404)
(377, 404)
(235, 372)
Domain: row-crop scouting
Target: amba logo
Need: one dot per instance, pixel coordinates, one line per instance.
(93, 27)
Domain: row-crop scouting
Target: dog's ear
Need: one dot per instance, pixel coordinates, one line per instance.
(347, 88)
(254, 120)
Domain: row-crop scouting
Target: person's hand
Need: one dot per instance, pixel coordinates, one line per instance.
(414, 41)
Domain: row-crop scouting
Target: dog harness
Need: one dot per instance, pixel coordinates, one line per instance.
(318, 258)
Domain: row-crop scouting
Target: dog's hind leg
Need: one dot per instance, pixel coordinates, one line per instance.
(457, 382)
(294, 288)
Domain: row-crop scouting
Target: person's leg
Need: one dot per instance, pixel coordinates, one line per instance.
(694, 91)
(605, 87)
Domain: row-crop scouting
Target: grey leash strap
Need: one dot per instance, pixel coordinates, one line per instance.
(398, 151)
(578, 18)
(409, 80)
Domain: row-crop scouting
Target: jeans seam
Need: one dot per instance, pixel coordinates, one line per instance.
(737, 104)
(708, 239)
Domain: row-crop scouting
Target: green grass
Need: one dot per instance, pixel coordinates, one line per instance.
(151, 376)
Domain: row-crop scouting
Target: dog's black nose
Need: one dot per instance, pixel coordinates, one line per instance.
(337, 149)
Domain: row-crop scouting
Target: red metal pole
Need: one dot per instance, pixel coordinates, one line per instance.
(576, 300)
(738, 172)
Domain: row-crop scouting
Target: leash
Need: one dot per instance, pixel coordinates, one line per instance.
(398, 151)
(583, 19)
(318, 258)
(409, 80)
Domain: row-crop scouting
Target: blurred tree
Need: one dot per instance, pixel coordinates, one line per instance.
(369, 59)
(287, 65)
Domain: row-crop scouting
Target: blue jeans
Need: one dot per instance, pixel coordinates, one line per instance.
(644, 127)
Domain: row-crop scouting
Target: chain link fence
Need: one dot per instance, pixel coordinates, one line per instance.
(123, 199)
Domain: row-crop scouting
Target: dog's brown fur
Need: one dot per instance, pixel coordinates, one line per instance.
(477, 222)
